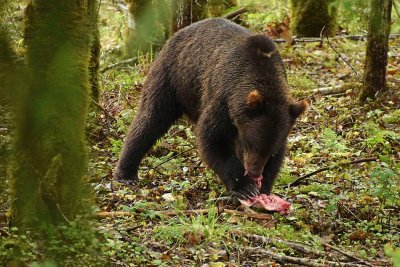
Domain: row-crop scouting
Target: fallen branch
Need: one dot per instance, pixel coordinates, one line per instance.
(347, 254)
(236, 13)
(104, 111)
(318, 39)
(300, 179)
(322, 91)
(301, 261)
(121, 63)
(302, 248)
(112, 214)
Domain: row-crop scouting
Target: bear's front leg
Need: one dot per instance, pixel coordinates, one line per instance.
(216, 141)
(271, 170)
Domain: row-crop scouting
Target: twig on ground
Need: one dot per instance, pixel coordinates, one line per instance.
(172, 157)
(302, 261)
(121, 63)
(349, 211)
(108, 214)
(126, 99)
(104, 111)
(337, 52)
(347, 254)
(300, 179)
(234, 14)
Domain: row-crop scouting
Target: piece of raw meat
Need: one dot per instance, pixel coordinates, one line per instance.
(267, 202)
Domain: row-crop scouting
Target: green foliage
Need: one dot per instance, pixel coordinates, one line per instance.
(353, 15)
(394, 253)
(393, 117)
(309, 17)
(257, 19)
(386, 183)
(378, 139)
(68, 244)
(197, 230)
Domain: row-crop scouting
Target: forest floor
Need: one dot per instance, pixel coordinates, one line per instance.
(178, 213)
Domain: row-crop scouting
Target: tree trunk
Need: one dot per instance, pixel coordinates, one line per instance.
(7, 66)
(50, 157)
(148, 25)
(309, 17)
(377, 49)
(95, 46)
(186, 12)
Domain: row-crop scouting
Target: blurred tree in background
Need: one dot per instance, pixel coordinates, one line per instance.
(151, 22)
(310, 16)
(50, 156)
(186, 12)
(148, 25)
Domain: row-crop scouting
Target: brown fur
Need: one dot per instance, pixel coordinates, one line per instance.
(254, 99)
(209, 72)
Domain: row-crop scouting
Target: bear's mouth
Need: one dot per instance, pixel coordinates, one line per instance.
(257, 178)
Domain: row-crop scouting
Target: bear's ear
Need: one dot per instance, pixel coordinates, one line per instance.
(298, 108)
(266, 54)
(254, 99)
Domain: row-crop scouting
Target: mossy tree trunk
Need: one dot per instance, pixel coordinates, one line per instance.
(50, 156)
(309, 17)
(148, 25)
(377, 49)
(93, 8)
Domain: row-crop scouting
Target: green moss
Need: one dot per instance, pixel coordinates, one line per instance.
(310, 16)
(51, 114)
(150, 23)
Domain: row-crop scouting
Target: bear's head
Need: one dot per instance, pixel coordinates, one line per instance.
(263, 128)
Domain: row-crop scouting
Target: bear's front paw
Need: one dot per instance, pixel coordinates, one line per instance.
(125, 178)
(246, 191)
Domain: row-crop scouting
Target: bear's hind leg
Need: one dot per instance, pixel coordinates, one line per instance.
(158, 111)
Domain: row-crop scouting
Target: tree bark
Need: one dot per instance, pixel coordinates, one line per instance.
(95, 47)
(186, 12)
(377, 49)
(309, 17)
(50, 156)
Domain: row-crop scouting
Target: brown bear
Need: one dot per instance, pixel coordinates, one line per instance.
(232, 84)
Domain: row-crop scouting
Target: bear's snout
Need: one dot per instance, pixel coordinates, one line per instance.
(254, 164)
